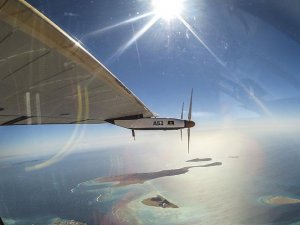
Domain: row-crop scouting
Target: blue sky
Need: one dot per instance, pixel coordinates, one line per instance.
(167, 61)
(240, 63)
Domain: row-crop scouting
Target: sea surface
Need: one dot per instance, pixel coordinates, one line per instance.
(263, 165)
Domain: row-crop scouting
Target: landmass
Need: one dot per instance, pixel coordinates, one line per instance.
(211, 164)
(140, 178)
(42, 220)
(26, 162)
(199, 160)
(279, 200)
(9, 161)
(159, 201)
(233, 157)
(59, 221)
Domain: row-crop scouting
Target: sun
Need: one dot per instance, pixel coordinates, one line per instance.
(167, 9)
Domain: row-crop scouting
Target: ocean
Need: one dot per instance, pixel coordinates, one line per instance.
(232, 193)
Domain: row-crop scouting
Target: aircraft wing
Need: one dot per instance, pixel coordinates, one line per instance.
(47, 77)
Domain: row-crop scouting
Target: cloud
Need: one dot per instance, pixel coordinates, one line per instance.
(203, 114)
(70, 14)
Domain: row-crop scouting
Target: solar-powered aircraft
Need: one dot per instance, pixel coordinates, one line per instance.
(136, 123)
(47, 77)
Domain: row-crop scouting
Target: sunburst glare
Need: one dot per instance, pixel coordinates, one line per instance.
(167, 9)
(122, 23)
(142, 31)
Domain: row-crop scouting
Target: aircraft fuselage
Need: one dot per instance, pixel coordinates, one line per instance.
(154, 124)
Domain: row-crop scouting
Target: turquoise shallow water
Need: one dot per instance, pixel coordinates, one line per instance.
(226, 194)
(209, 195)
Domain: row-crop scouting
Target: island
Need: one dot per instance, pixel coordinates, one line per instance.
(140, 178)
(159, 201)
(199, 160)
(212, 164)
(59, 221)
(279, 200)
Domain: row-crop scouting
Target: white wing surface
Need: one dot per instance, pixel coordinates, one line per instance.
(46, 77)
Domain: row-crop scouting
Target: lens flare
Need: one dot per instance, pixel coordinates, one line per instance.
(167, 9)
(140, 33)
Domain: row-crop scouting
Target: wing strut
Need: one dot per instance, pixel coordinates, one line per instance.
(181, 117)
(189, 119)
